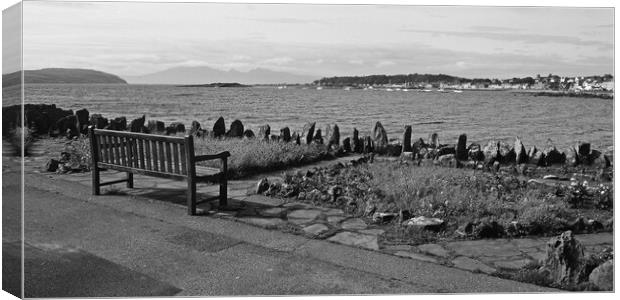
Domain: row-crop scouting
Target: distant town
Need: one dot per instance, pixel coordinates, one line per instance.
(441, 81)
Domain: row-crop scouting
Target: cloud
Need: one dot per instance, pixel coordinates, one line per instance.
(522, 37)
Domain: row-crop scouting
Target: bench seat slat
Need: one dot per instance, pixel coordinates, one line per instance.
(168, 158)
(140, 171)
(162, 158)
(155, 160)
(175, 155)
(117, 155)
(141, 152)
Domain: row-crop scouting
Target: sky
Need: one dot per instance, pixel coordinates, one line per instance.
(136, 38)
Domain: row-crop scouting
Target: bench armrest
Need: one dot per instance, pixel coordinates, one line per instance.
(221, 155)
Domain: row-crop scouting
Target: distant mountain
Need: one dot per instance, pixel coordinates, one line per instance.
(203, 75)
(60, 75)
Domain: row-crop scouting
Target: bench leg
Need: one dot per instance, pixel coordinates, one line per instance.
(95, 181)
(223, 193)
(129, 180)
(191, 197)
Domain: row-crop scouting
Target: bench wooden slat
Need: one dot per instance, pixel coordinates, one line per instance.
(145, 136)
(109, 150)
(162, 158)
(183, 159)
(117, 155)
(147, 152)
(169, 157)
(143, 172)
(129, 150)
(141, 152)
(175, 155)
(123, 151)
(136, 154)
(155, 160)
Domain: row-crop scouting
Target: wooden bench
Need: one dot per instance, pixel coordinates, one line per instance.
(153, 155)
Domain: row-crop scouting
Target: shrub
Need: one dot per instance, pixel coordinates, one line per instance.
(21, 138)
(76, 153)
(249, 156)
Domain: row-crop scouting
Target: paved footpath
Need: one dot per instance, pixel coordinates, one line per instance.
(81, 245)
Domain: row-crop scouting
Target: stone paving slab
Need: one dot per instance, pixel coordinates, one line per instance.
(470, 264)
(356, 239)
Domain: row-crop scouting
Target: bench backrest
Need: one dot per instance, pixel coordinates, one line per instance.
(156, 155)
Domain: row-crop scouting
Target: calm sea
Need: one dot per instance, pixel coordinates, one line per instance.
(482, 115)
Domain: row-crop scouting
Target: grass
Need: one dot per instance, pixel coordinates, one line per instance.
(251, 156)
(494, 205)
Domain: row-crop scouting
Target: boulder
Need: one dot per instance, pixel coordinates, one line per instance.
(264, 132)
(346, 145)
(491, 152)
(418, 145)
(583, 149)
(236, 129)
(178, 126)
(552, 155)
(461, 148)
(137, 124)
(447, 160)
(488, 228)
(318, 138)
(564, 262)
(295, 138)
(358, 145)
(433, 140)
(285, 134)
(307, 133)
(379, 136)
(68, 125)
(119, 124)
(156, 126)
(603, 276)
(599, 160)
(425, 223)
(475, 152)
(367, 145)
(407, 139)
(98, 121)
(51, 165)
(82, 120)
(262, 186)
(521, 156)
(333, 136)
(445, 150)
(219, 128)
(572, 158)
(248, 133)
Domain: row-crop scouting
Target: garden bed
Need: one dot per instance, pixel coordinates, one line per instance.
(468, 204)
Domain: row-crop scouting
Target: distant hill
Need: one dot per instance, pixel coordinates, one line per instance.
(60, 75)
(202, 75)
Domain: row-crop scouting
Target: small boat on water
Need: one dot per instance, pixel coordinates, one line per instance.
(389, 90)
(427, 90)
(441, 90)
(405, 90)
(319, 87)
(457, 91)
(281, 87)
(348, 88)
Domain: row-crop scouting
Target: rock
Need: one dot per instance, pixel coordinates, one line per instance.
(195, 128)
(178, 126)
(448, 160)
(156, 126)
(236, 129)
(315, 229)
(572, 158)
(564, 262)
(98, 121)
(333, 136)
(307, 133)
(598, 160)
(583, 149)
(552, 155)
(461, 148)
(407, 140)
(603, 276)
(356, 239)
(383, 217)
(434, 140)
(82, 120)
(407, 156)
(51, 165)
(285, 134)
(533, 156)
(473, 265)
(119, 124)
(488, 229)
(379, 136)
(448, 149)
(68, 125)
(521, 156)
(434, 249)
(475, 152)
(367, 145)
(358, 145)
(136, 125)
(264, 132)
(491, 152)
(346, 145)
(318, 138)
(296, 138)
(354, 224)
(262, 186)
(431, 224)
(219, 128)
